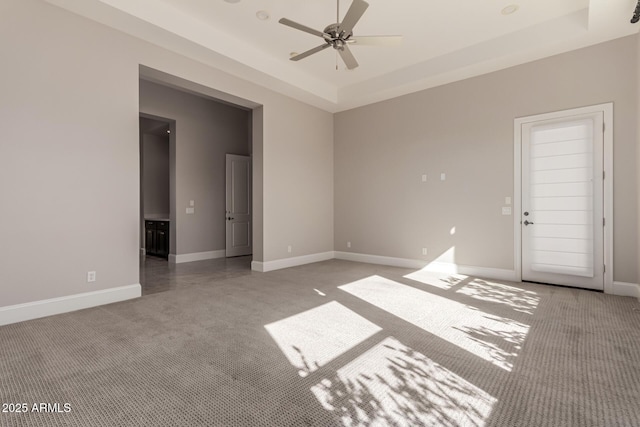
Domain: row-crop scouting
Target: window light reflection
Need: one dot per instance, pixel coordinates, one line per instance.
(521, 300)
(391, 384)
(312, 338)
(492, 338)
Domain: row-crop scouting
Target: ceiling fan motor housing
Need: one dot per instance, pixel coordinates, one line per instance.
(336, 38)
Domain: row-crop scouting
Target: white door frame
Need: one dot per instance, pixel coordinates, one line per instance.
(607, 110)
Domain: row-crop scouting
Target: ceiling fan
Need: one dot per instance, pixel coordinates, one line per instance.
(340, 35)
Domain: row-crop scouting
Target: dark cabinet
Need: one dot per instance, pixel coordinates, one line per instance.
(157, 238)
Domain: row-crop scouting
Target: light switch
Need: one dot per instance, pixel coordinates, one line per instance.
(191, 211)
(443, 176)
(192, 203)
(424, 177)
(507, 200)
(506, 210)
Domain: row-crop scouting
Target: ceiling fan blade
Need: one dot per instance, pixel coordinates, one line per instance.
(309, 52)
(292, 24)
(348, 58)
(353, 15)
(376, 40)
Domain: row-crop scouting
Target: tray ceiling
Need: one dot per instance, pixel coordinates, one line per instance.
(443, 41)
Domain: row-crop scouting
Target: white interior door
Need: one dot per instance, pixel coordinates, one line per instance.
(562, 220)
(238, 212)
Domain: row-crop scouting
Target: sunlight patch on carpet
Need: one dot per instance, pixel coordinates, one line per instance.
(444, 281)
(314, 337)
(520, 300)
(493, 338)
(392, 384)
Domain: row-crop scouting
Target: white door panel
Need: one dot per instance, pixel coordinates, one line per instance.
(564, 231)
(565, 217)
(561, 189)
(561, 131)
(562, 148)
(562, 245)
(580, 175)
(240, 234)
(562, 201)
(552, 274)
(579, 260)
(563, 162)
(238, 211)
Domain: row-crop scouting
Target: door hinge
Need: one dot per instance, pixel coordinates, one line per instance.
(604, 222)
(604, 126)
(603, 174)
(604, 268)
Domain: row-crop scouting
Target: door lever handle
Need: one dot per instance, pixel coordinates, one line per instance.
(527, 222)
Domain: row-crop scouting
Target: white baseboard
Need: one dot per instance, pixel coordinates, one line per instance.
(440, 267)
(196, 256)
(468, 270)
(291, 262)
(382, 260)
(624, 289)
(49, 307)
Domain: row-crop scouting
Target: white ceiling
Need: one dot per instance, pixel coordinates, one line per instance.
(444, 40)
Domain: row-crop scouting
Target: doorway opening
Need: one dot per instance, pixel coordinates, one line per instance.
(155, 190)
(206, 198)
(563, 223)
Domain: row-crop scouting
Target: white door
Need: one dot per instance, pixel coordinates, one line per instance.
(238, 212)
(562, 218)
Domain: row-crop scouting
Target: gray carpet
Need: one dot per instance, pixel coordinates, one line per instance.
(329, 344)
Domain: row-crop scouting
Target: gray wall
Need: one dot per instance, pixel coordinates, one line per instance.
(155, 175)
(465, 130)
(69, 155)
(257, 186)
(638, 157)
(204, 132)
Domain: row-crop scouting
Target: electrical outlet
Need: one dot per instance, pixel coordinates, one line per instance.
(424, 251)
(506, 210)
(191, 211)
(91, 276)
(348, 244)
(443, 176)
(289, 248)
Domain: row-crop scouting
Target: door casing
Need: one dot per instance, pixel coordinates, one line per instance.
(607, 110)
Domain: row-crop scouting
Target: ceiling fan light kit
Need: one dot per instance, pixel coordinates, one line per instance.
(340, 35)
